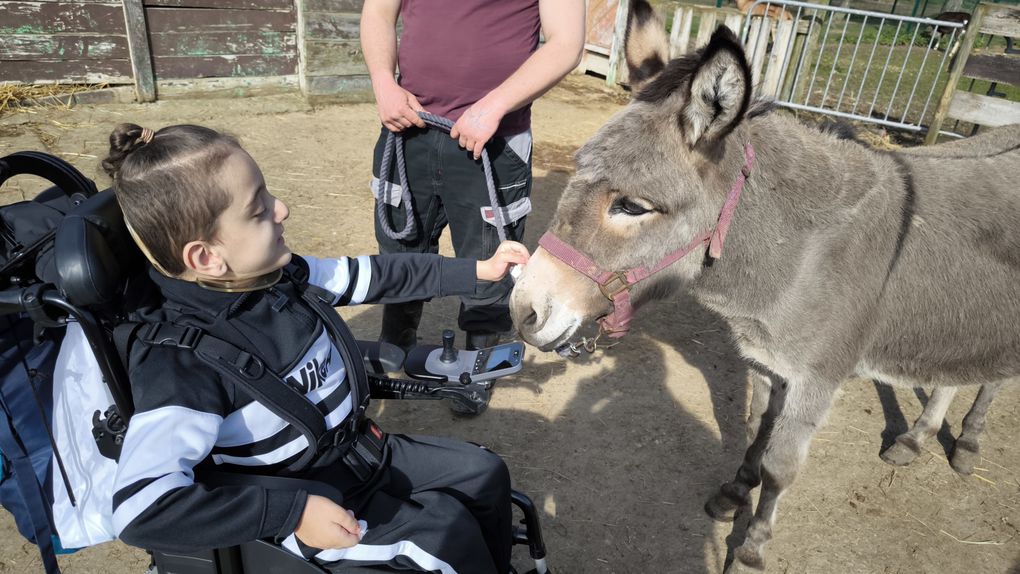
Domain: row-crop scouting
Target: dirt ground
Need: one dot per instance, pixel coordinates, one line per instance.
(619, 451)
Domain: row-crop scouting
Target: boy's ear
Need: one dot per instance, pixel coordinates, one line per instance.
(200, 257)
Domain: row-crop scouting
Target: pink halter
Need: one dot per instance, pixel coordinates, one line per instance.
(615, 285)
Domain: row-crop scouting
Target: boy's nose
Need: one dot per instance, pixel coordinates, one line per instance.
(282, 211)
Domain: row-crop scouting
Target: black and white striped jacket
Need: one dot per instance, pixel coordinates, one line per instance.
(186, 414)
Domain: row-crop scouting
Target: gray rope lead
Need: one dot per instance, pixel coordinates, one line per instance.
(395, 147)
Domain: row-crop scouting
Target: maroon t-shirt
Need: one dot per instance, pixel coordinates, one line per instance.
(453, 52)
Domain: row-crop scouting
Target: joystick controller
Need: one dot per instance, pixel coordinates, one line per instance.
(449, 354)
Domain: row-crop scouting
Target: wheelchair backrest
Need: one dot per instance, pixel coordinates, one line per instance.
(96, 258)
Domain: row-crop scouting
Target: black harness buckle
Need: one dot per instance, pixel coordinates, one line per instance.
(249, 366)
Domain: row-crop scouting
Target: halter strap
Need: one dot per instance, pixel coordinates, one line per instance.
(615, 285)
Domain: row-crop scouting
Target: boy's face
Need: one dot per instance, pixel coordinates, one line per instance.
(250, 232)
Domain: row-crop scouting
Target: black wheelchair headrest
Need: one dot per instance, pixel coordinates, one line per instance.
(94, 252)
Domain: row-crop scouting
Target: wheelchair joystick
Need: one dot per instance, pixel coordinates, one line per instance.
(449, 354)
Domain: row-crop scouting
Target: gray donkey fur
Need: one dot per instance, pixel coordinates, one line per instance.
(841, 261)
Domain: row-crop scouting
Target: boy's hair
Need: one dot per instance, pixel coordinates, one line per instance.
(168, 186)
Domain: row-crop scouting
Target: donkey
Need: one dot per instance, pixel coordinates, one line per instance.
(839, 261)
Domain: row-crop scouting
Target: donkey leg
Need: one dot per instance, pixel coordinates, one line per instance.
(807, 406)
(766, 403)
(967, 451)
(908, 445)
(761, 390)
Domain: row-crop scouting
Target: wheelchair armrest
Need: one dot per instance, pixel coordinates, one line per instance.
(381, 357)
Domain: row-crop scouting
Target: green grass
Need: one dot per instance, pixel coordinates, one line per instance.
(892, 54)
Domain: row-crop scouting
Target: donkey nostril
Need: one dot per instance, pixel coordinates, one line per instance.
(531, 319)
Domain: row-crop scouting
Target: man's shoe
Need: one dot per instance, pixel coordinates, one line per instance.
(480, 340)
(400, 324)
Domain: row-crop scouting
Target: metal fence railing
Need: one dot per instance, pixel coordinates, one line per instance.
(855, 64)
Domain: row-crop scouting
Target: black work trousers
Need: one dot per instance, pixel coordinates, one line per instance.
(448, 188)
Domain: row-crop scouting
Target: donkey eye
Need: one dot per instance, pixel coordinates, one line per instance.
(628, 206)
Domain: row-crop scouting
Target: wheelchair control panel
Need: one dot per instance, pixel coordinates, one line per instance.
(479, 366)
(445, 372)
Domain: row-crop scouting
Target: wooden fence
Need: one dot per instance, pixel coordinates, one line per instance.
(147, 43)
(998, 20)
(774, 45)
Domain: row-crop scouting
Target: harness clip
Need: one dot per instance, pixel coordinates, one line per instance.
(611, 293)
(249, 366)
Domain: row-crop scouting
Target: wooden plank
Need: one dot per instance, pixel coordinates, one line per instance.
(984, 110)
(735, 22)
(756, 46)
(599, 23)
(352, 6)
(340, 89)
(66, 71)
(328, 26)
(683, 41)
(955, 73)
(674, 32)
(138, 45)
(224, 66)
(617, 72)
(226, 87)
(805, 62)
(596, 63)
(267, 43)
(1000, 20)
(69, 1)
(706, 26)
(192, 20)
(51, 18)
(334, 58)
(224, 4)
(1003, 68)
(777, 59)
(56, 46)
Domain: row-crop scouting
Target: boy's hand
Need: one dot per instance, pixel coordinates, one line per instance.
(325, 524)
(507, 254)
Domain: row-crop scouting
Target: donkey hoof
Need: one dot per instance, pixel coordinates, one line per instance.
(720, 509)
(746, 561)
(902, 452)
(965, 455)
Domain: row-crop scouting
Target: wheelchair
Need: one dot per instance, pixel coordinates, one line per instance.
(93, 278)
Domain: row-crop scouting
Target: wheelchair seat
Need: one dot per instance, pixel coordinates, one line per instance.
(101, 277)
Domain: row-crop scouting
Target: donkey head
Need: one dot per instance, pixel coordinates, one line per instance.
(652, 179)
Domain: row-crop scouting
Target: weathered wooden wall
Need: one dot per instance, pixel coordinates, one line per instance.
(86, 40)
(222, 38)
(333, 66)
(313, 43)
(50, 41)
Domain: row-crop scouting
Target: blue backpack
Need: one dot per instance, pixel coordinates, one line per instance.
(29, 346)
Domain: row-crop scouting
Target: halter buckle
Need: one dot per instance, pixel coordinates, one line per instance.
(610, 290)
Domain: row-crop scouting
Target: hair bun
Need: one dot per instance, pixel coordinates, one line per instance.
(125, 139)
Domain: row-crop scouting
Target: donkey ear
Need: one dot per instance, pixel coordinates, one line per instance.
(720, 90)
(646, 46)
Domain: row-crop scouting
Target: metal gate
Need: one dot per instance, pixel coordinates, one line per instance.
(854, 64)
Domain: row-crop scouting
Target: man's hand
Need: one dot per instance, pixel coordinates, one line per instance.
(325, 524)
(507, 254)
(398, 108)
(475, 128)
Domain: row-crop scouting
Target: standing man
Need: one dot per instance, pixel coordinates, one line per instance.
(478, 63)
